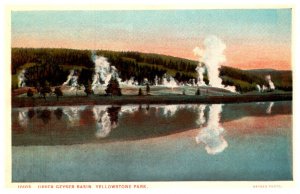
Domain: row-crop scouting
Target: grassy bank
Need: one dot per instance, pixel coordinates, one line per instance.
(171, 99)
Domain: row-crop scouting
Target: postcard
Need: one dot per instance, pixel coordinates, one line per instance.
(147, 97)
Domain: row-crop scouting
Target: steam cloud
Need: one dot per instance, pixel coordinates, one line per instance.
(169, 82)
(103, 72)
(212, 56)
(72, 80)
(271, 84)
(22, 79)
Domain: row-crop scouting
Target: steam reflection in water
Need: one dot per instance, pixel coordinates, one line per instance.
(103, 126)
(237, 141)
(106, 119)
(269, 109)
(81, 124)
(212, 134)
(73, 114)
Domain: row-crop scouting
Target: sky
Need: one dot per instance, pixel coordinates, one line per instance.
(254, 38)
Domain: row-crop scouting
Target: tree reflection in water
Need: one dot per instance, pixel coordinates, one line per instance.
(31, 113)
(58, 113)
(44, 114)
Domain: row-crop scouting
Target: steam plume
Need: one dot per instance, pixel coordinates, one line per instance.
(72, 80)
(103, 71)
(271, 84)
(169, 81)
(200, 68)
(258, 88)
(21, 79)
(212, 56)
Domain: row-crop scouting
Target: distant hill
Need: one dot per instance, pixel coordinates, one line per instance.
(53, 65)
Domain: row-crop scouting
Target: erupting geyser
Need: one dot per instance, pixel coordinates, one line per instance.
(271, 84)
(103, 72)
(72, 80)
(22, 79)
(200, 70)
(169, 81)
(212, 56)
(258, 88)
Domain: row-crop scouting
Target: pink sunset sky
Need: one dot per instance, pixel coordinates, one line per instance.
(254, 38)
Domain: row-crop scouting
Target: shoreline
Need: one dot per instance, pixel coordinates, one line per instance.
(157, 99)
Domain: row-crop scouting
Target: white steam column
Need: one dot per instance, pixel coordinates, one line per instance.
(21, 79)
(72, 80)
(212, 56)
(271, 84)
(103, 72)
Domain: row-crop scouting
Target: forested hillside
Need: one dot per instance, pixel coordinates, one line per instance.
(53, 65)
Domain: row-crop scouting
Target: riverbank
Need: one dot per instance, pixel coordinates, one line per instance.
(160, 99)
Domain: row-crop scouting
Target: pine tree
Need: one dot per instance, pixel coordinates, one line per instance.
(147, 88)
(45, 89)
(198, 92)
(113, 88)
(88, 89)
(58, 92)
(29, 93)
(140, 92)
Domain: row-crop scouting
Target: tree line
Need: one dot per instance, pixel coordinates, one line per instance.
(53, 66)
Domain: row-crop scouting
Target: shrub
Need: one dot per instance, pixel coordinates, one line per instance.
(29, 93)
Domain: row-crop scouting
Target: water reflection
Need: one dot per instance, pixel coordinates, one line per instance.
(269, 109)
(80, 124)
(22, 117)
(129, 109)
(114, 137)
(170, 110)
(31, 113)
(73, 114)
(106, 119)
(212, 134)
(201, 118)
(44, 115)
(58, 113)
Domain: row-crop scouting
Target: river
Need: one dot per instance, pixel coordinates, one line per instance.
(183, 142)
